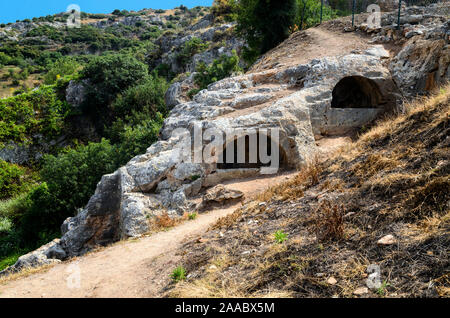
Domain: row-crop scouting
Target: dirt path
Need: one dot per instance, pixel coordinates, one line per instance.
(136, 268)
(314, 43)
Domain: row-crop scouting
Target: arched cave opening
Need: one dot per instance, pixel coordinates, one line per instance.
(249, 163)
(356, 92)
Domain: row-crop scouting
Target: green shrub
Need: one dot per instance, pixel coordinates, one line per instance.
(225, 8)
(39, 111)
(13, 208)
(219, 69)
(4, 59)
(280, 236)
(189, 49)
(5, 225)
(147, 98)
(135, 139)
(110, 75)
(72, 176)
(178, 274)
(192, 216)
(13, 180)
(61, 67)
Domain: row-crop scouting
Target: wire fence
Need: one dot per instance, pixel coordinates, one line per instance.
(313, 12)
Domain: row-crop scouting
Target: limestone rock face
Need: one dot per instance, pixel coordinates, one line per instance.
(421, 65)
(424, 60)
(220, 194)
(75, 93)
(99, 223)
(48, 254)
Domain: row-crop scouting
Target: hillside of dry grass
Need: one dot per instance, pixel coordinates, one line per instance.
(394, 180)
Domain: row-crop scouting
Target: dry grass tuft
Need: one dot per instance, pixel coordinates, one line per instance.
(293, 189)
(25, 272)
(329, 222)
(165, 221)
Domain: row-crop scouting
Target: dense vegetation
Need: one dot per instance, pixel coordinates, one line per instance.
(264, 23)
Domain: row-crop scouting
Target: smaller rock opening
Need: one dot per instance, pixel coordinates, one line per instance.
(356, 92)
(249, 161)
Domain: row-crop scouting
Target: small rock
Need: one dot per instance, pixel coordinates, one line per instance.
(320, 274)
(213, 267)
(387, 240)
(349, 29)
(361, 291)
(201, 240)
(332, 280)
(349, 214)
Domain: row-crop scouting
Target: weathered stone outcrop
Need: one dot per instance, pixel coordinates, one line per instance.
(424, 60)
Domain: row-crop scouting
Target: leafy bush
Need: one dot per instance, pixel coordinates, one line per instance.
(61, 67)
(13, 208)
(110, 75)
(135, 139)
(225, 8)
(39, 111)
(72, 176)
(147, 98)
(5, 225)
(178, 274)
(280, 236)
(4, 59)
(219, 69)
(189, 49)
(13, 180)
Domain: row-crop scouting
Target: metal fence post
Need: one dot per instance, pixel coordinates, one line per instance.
(303, 14)
(399, 9)
(353, 12)
(321, 10)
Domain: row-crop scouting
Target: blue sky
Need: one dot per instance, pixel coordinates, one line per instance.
(12, 10)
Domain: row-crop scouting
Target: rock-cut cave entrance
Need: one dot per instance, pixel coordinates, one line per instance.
(356, 92)
(251, 153)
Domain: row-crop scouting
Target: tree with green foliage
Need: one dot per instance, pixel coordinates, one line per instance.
(110, 75)
(146, 98)
(13, 180)
(309, 13)
(70, 180)
(264, 24)
(39, 111)
(59, 68)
